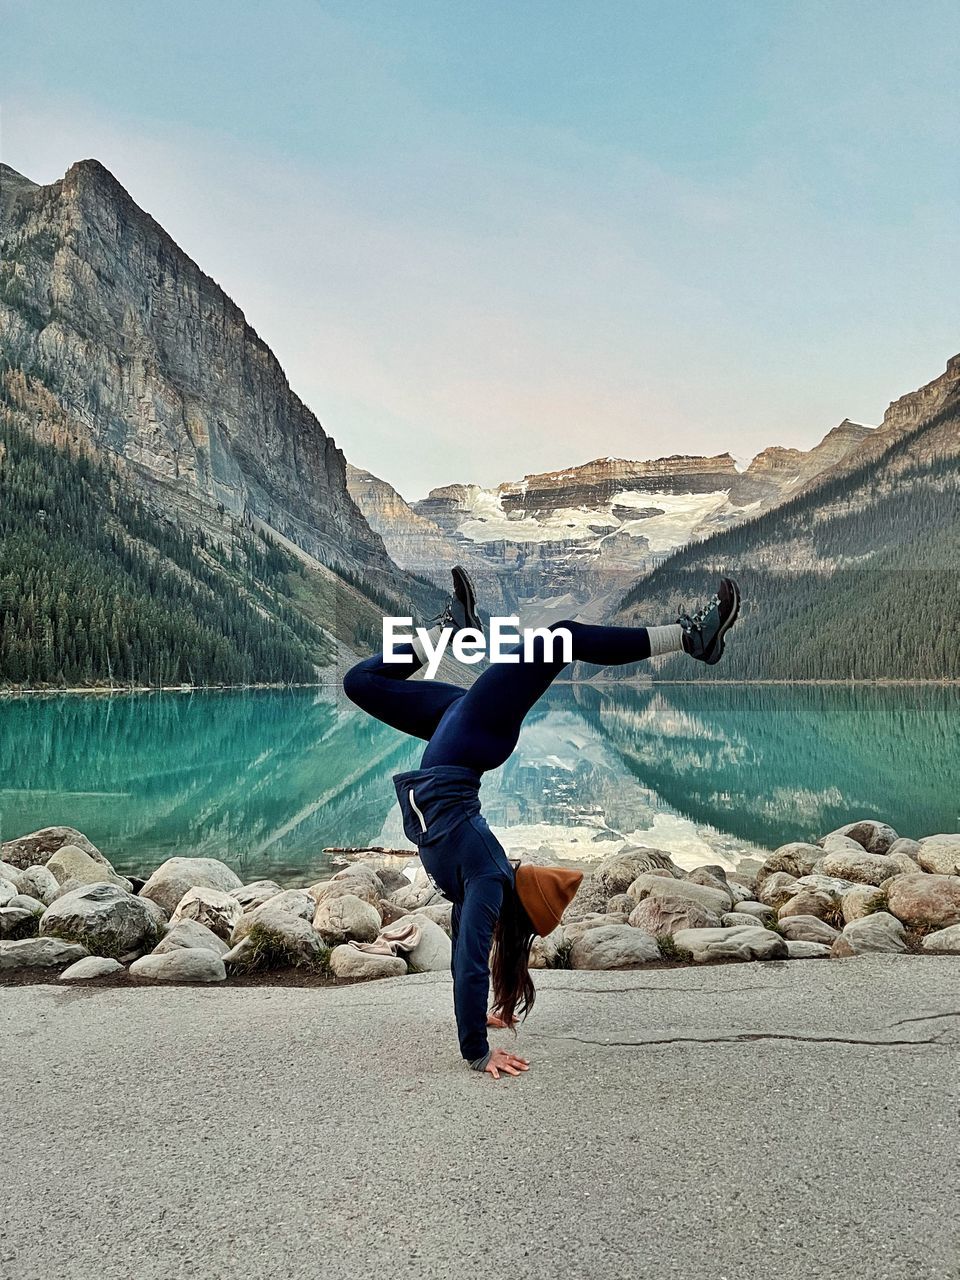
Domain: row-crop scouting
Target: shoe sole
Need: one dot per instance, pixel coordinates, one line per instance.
(725, 625)
(462, 579)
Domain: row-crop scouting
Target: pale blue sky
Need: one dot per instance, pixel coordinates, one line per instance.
(488, 239)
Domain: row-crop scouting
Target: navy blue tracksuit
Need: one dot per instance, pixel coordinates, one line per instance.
(467, 732)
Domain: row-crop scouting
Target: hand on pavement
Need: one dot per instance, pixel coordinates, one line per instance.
(509, 1063)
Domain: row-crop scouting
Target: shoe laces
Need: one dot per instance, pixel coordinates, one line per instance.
(694, 622)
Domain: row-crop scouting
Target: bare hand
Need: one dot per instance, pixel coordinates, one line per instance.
(509, 1063)
(494, 1020)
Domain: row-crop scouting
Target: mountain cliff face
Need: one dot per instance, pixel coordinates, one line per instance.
(121, 343)
(856, 575)
(576, 539)
(114, 343)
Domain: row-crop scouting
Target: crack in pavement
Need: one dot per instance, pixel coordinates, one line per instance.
(927, 1017)
(744, 1037)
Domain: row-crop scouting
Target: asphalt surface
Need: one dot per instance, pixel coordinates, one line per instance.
(740, 1122)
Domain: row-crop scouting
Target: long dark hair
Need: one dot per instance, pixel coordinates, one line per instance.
(513, 935)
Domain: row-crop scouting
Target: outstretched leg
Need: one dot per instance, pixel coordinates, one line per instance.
(384, 690)
(482, 728)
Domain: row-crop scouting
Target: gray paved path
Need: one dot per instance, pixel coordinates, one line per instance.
(747, 1121)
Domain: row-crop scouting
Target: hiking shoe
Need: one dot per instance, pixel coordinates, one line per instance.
(461, 608)
(704, 632)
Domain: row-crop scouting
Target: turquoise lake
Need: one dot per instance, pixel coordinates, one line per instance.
(267, 779)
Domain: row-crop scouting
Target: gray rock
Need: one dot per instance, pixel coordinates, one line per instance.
(363, 872)
(348, 962)
(36, 848)
(432, 952)
(875, 837)
(840, 844)
(763, 913)
(186, 964)
(714, 877)
(716, 901)
(26, 903)
(592, 896)
(808, 929)
(280, 939)
(809, 902)
(740, 920)
(91, 967)
(834, 886)
(340, 919)
(10, 873)
(106, 919)
(940, 855)
(8, 891)
(256, 893)
(909, 847)
(177, 876)
(214, 908)
(39, 953)
(190, 933)
(613, 946)
(547, 952)
(18, 922)
(621, 903)
(878, 932)
(776, 889)
(668, 912)
(618, 870)
(795, 859)
(943, 939)
(420, 893)
(924, 901)
(440, 913)
(73, 867)
(861, 900)
(807, 950)
(296, 902)
(748, 943)
(860, 867)
(40, 883)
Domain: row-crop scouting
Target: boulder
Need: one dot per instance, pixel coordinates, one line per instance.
(360, 871)
(760, 910)
(739, 919)
(279, 940)
(621, 903)
(177, 876)
(875, 837)
(911, 848)
(72, 867)
(214, 908)
(186, 964)
(11, 873)
(860, 867)
(348, 962)
(106, 919)
(440, 913)
(432, 952)
(256, 893)
(546, 953)
(591, 896)
(795, 859)
(808, 929)
(190, 933)
(862, 900)
(25, 903)
(613, 946)
(809, 902)
(716, 901)
(713, 876)
(18, 922)
(775, 889)
(807, 950)
(296, 902)
(924, 901)
(840, 844)
(668, 912)
(361, 887)
(421, 893)
(878, 932)
(833, 886)
(940, 855)
(340, 919)
(39, 953)
(35, 849)
(943, 939)
(39, 882)
(91, 967)
(618, 870)
(747, 943)
(8, 890)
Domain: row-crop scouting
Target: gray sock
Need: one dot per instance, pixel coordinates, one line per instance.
(665, 639)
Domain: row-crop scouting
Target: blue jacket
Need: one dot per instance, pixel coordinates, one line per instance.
(467, 864)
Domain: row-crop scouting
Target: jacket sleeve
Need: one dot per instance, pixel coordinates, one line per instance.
(471, 966)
